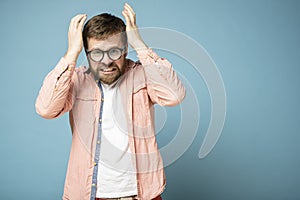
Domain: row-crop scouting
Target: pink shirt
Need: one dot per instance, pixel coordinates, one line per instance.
(150, 81)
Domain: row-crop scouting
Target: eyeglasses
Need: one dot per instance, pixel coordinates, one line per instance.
(114, 54)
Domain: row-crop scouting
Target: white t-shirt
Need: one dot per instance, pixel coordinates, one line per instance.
(116, 173)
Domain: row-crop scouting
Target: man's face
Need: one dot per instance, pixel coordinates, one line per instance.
(108, 69)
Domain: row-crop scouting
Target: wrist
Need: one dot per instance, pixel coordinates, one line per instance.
(71, 57)
(139, 45)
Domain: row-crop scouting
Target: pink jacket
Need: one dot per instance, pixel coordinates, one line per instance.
(150, 81)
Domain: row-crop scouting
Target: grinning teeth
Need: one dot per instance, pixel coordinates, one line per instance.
(107, 70)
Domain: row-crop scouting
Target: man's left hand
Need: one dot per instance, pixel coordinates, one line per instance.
(134, 38)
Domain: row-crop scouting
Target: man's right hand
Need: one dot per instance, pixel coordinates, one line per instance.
(75, 42)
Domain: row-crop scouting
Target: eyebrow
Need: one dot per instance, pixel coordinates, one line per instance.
(114, 47)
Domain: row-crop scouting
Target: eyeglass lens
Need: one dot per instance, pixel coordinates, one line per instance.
(114, 54)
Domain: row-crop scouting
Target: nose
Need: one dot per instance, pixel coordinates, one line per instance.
(106, 60)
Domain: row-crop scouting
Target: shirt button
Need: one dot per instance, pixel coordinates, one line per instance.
(102, 99)
(93, 184)
(100, 120)
(95, 163)
(98, 142)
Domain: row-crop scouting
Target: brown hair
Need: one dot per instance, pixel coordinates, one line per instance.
(100, 27)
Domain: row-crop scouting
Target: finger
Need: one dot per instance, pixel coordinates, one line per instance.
(71, 23)
(130, 15)
(79, 20)
(129, 7)
(125, 14)
(75, 20)
(81, 23)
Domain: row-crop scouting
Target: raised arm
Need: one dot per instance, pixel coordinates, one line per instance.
(56, 94)
(163, 84)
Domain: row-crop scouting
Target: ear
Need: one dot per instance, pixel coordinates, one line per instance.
(126, 50)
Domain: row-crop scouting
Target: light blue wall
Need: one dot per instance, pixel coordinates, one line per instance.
(256, 46)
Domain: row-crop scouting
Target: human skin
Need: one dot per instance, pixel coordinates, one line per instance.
(75, 42)
(107, 70)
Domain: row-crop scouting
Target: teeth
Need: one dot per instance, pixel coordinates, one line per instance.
(107, 70)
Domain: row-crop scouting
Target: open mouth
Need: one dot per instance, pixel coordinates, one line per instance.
(108, 70)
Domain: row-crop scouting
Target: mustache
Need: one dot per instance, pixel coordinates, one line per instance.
(111, 66)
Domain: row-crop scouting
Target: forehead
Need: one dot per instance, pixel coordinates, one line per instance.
(110, 42)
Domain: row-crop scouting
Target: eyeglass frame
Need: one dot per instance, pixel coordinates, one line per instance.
(106, 52)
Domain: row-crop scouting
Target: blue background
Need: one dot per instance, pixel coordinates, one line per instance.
(256, 46)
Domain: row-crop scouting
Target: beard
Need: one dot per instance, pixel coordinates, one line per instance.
(108, 74)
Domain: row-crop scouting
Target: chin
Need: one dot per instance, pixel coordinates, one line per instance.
(108, 80)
